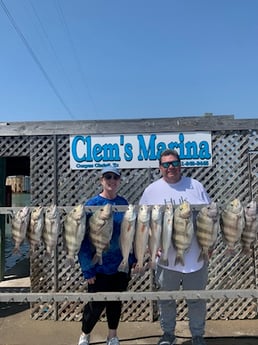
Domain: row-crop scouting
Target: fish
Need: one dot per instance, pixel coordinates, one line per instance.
(155, 234)
(127, 236)
(207, 229)
(19, 227)
(74, 231)
(100, 231)
(35, 228)
(51, 228)
(232, 224)
(141, 238)
(183, 230)
(166, 235)
(249, 234)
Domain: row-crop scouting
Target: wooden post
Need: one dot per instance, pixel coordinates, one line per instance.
(2, 218)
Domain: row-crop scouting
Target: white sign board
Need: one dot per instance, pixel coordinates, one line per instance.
(138, 150)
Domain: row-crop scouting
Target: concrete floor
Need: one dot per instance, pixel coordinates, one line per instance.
(17, 328)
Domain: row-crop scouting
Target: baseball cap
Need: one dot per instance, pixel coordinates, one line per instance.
(110, 169)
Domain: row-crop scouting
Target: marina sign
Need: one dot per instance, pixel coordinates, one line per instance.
(138, 150)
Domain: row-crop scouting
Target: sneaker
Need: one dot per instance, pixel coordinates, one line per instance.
(113, 341)
(167, 339)
(84, 339)
(198, 341)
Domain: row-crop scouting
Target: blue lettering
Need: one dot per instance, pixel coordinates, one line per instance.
(128, 155)
(204, 150)
(144, 152)
(191, 149)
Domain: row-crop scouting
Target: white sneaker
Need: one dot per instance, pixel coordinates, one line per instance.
(113, 341)
(84, 339)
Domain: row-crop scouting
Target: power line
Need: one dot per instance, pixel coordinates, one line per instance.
(78, 64)
(35, 58)
(57, 59)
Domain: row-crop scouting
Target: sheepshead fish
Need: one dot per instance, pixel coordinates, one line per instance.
(36, 225)
(51, 228)
(74, 231)
(141, 237)
(183, 230)
(166, 235)
(207, 229)
(20, 223)
(155, 233)
(249, 234)
(127, 237)
(100, 231)
(232, 224)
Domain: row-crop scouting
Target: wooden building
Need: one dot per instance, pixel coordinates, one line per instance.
(45, 150)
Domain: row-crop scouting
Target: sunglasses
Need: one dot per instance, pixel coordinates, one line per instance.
(175, 164)
(111, 176)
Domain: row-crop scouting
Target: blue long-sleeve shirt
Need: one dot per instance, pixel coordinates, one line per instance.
(112, 257)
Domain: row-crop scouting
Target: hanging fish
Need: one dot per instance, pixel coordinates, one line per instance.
(100, 231)
(232, 224)
(155, 233)
(249, 234)
(141, 237)
(166, 235)
(183, 231)
(19, 227)
(51, 228)
(35, 228)
(207, 229)
(127, 236)
(74, 231)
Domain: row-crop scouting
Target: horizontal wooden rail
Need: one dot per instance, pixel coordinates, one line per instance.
(126, 296)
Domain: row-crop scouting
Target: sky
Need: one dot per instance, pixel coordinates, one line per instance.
(125, 59)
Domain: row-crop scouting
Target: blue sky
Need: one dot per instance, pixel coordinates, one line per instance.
(116, 59)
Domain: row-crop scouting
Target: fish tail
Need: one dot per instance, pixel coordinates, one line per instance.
(97, 259)
(152, 265)
(230, 252)
(16, 250)
(246, 251)
(163, 262)
(70, 261)
(179, 260)
(203, 256)
(123, 267)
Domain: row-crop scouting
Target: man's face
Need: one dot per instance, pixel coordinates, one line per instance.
(170, 168)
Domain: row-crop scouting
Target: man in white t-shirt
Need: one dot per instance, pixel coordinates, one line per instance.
(193, 275)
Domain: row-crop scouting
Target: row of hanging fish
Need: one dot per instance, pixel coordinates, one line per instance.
(239, 224)
(38, 225)
(155, 227)
(144, 229)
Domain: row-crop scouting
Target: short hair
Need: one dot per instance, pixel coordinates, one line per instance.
(169, 152)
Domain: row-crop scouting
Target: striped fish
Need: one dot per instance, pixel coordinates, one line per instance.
(74, 231)
(20, 223)
(183, 230)
(232, 224)
(100, 231)
(207, 229)
(249, 234)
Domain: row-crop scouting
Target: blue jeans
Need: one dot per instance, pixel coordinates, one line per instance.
(169, 280)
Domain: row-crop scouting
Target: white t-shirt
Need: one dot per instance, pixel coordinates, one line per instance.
(160, 192)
